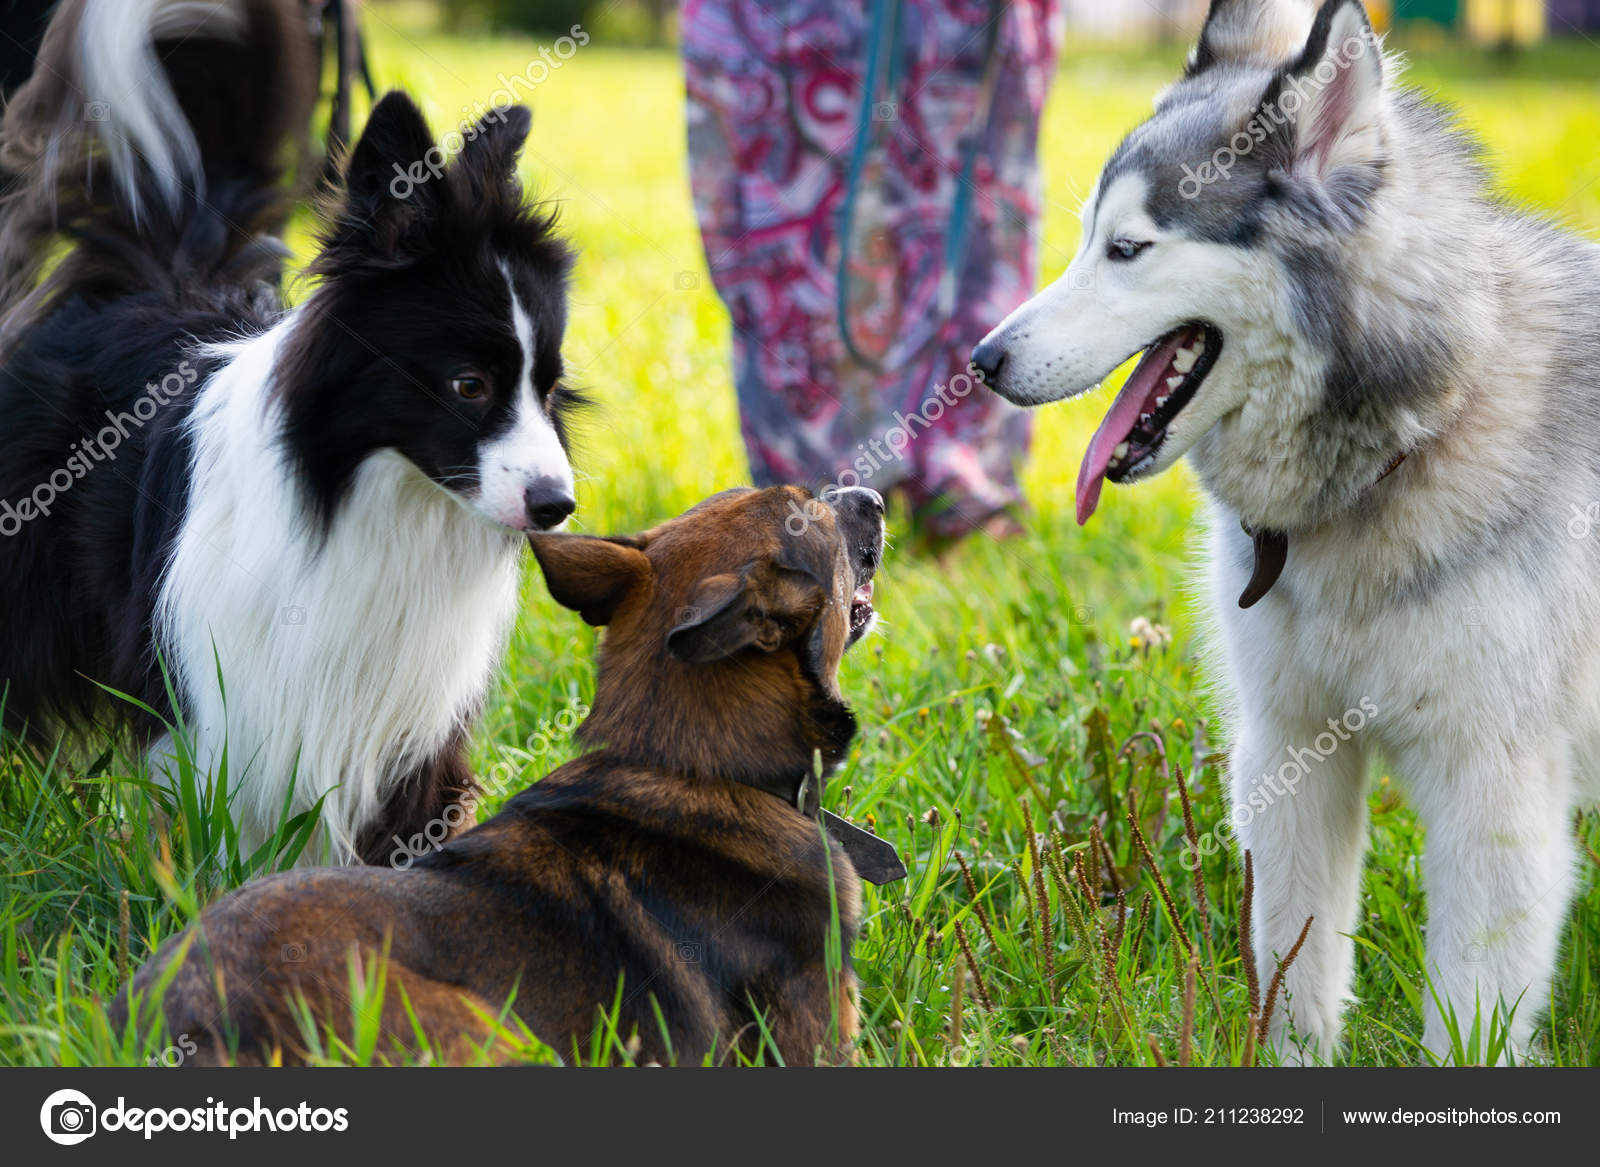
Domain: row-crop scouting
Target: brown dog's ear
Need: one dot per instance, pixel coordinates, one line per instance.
(720, 620)
(591, 576)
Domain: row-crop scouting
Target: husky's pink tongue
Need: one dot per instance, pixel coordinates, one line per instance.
(1137, 397)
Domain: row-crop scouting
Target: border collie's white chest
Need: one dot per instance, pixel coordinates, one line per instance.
(408, 591)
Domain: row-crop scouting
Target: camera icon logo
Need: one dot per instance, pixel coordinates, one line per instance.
(886, 111)
(687, 951)
(68, 1117)
(686, 281)
(292, 954)
(1474, 616)
(294, 616)
(96, 111)
(1081, 279)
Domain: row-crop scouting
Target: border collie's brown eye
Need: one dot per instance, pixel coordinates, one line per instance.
(468, 388)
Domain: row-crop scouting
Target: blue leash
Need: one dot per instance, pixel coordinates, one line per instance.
(885, 14)
(884, 42)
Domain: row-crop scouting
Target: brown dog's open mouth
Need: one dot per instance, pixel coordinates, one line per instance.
(861, 610)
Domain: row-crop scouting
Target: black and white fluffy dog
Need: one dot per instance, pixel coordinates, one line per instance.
(305, 523)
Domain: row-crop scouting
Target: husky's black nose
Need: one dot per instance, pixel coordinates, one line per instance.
(987, 359)
(548, 503)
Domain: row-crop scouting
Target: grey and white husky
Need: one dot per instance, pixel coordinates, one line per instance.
(1388, 382)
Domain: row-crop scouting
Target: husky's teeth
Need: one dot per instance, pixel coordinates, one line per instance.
(1200, 346)
(1121, 451)
(1174, 382)
(1185, 359)
(1162, 400)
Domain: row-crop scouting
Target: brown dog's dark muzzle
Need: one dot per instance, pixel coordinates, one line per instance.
(859, 512)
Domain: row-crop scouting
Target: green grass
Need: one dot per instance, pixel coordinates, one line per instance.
(1003, 689)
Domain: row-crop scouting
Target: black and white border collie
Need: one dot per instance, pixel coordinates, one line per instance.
(307, 523)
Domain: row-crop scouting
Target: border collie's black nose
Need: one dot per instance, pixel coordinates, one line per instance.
(987, 359)
(549, 503)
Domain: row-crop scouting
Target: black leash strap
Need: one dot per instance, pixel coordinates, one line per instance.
(349, 61)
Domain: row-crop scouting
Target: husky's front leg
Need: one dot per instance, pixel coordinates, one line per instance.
(1301, 811)
(1499, 874)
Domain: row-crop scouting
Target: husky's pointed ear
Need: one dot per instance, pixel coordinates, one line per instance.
(592, 576)
(1263, 31)
(385, 180)
(1328, 108)
(492, 146)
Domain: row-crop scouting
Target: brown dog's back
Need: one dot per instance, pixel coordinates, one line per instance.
(700, 901)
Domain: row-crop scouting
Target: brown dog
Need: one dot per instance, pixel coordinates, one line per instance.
(683, 859)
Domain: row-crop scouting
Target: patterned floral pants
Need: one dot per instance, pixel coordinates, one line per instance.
(859, 270)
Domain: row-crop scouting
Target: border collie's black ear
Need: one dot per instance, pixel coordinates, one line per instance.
(492, 146)
(592, 576)
(388, 175)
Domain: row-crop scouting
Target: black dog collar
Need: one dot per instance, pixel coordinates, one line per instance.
(1272, 550)
(874, 859)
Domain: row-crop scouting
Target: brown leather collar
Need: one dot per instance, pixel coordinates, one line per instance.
(1272, 548)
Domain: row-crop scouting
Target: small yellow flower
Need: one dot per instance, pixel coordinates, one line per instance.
(1147, 635)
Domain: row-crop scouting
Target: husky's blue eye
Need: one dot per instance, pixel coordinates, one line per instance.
(1125, 249)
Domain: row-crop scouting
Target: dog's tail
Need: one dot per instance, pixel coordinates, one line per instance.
(153, 127)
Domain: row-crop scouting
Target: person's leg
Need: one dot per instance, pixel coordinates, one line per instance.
(965, 470)
(877, 400)
(767, 159)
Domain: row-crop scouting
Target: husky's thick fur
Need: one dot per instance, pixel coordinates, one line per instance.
(1323, 285)
(304, 525)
